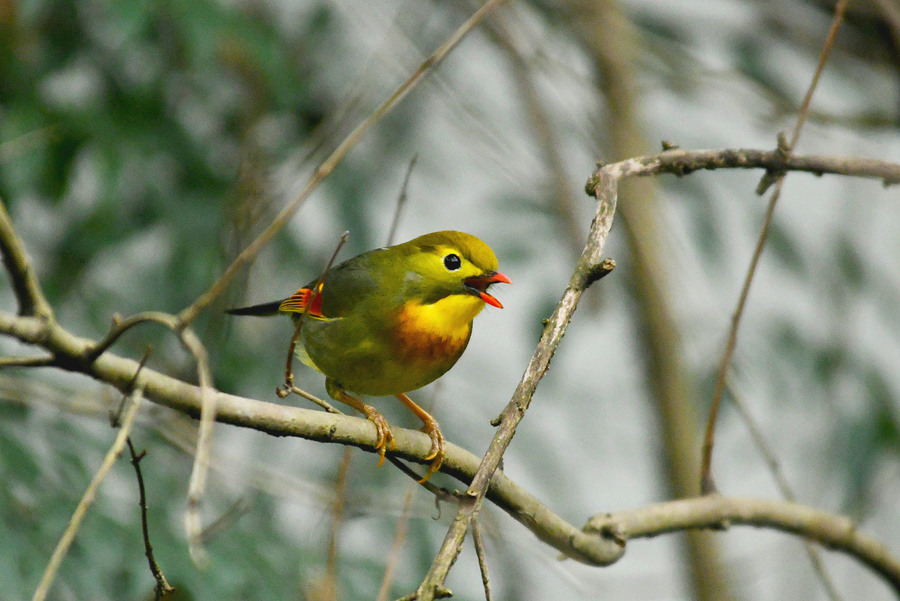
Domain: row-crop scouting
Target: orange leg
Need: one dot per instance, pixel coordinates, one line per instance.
(385, 437)
(431, 428)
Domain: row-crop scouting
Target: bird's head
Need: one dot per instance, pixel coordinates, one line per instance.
(444, 264)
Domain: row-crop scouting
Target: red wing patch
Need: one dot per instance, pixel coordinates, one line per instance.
(304, 301)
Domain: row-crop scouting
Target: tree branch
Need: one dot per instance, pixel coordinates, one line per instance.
(714, 511)
(683, 162)
(281, 420)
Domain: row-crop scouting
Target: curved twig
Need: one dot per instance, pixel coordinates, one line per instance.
(120, 326)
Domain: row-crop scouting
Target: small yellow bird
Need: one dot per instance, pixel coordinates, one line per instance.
(392, 320)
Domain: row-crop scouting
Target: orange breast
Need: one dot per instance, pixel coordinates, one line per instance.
(425, 334)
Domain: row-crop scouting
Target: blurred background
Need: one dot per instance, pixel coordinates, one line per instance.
(144, 144)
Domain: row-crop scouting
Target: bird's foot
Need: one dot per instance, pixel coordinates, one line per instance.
(385, 437)
(431, 428)
(437, 448)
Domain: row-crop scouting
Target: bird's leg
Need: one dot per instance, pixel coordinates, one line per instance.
(385, 437)
(430, 427)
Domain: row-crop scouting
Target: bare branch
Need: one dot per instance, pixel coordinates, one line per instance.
(482, 561)
(717, 512)
(393, 556)
(200, 469)
(783, 485)
(683, 162)
(401, 200)
(120, 326)
(162, 585)
(37, 361)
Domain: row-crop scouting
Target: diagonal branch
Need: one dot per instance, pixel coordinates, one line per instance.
(24, 280)
(706, 479)
(115, 451)
(188, 314)
(587, 270)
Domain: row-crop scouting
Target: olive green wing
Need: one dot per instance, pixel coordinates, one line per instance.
(356, 281)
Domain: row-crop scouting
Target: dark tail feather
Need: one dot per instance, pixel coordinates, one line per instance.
(262, 310)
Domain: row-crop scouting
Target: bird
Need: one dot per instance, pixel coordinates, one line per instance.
(392, 320)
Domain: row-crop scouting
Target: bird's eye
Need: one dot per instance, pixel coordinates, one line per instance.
(452, 262)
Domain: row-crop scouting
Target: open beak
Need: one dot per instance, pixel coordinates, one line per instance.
(478, 286)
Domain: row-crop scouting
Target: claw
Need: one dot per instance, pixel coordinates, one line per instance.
(437, 448)
(385, 437)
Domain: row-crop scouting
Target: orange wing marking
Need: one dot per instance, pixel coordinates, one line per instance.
(304, 301)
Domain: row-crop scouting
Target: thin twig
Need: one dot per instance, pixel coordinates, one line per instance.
(316, 291)
(68, 536)
(162, 585)
(27, 361)
(759, 440)
(706, 480)
(115, 417)
(337, 516)
(482, 562)
(120, 326)
(401, 200)
(393, 557)
(188, 314)
(541, 125)
(226, 519)
(320, 402)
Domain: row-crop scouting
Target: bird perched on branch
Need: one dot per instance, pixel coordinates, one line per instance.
(392, 320)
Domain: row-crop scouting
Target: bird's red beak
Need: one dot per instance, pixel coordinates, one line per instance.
(478, 286)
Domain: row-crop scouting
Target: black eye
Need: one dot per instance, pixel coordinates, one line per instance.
(452, 262)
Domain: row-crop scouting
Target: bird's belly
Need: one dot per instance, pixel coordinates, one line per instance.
(381, 363)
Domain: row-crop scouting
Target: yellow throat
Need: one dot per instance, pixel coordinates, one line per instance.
(440, 329)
